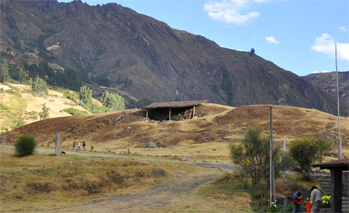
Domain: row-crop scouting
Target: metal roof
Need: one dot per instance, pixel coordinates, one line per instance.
(176, 104)
(342, 163)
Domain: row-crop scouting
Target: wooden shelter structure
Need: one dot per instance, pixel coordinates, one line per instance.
(336, 167)
(168, 110)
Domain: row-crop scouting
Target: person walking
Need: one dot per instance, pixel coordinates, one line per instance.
(83, 145)
(315, 199)
(74, 145)
(297, 202)
(79, 144)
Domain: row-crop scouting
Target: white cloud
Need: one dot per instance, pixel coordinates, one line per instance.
(271, 39)
(261, 1)
(325, 44)
(232, 11)
(343, 29)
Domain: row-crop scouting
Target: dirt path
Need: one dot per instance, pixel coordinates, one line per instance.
(169, 197)
(157, 200)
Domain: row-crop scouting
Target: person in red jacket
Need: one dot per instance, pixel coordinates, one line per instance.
(297, 202)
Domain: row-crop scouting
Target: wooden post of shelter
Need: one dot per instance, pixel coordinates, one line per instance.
(169, 114)
(336, 190)
(146, 115)
(193, 111)
(58, 144)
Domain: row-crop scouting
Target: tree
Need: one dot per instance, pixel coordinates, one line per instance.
(114, 101)
(17, 73)
(4, 72)
(45, 112)
(306, 151)
(252, 156)
(25, 145)
(38, 86)
(85, 95)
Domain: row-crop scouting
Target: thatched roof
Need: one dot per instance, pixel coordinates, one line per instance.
(176, 104)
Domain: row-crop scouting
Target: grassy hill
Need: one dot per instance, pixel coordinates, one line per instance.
(18, 106)
(203, 137)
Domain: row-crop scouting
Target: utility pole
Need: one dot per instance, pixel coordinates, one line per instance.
(339, 126)
(272, 176)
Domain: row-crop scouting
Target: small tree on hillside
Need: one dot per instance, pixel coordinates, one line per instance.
(38, 86)
(85, 95)
(252, 156)
(306, 151)
(45, 112)
(4, 72)
(114, 101)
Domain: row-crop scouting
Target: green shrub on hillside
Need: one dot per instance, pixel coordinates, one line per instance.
(11, 91)
(20, 123)
(99, 109)
(114, 101)
(4, 72)
(4, 107)
(25, 145)
(74, 111)
(38, 86)
(45, 112)
(85, 95)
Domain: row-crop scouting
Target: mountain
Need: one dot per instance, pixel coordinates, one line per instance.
(328, 83)
(113, 47)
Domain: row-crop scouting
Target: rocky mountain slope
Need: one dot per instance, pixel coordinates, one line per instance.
(143, 59)
(328, 83)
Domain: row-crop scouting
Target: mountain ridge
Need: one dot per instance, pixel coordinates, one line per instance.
(121, 50)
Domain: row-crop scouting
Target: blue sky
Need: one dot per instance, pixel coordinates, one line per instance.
(296, 35)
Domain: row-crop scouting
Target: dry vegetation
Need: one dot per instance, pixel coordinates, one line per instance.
(44, 181)
(203, 137)
(53, 184)
(18, 103)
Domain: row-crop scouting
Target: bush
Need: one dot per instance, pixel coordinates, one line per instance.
(20, 123)
(74, 111)
(252, 156)
(99, 109)
(25, 145)
(45, 112)
(114, 101)
(307, 151)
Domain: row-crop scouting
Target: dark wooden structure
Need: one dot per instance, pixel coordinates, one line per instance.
(166, 110)
(336, 167)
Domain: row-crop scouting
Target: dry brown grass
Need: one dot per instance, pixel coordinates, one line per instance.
(200, 138)
(42, 181)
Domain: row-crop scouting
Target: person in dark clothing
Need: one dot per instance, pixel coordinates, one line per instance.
(84, 145)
